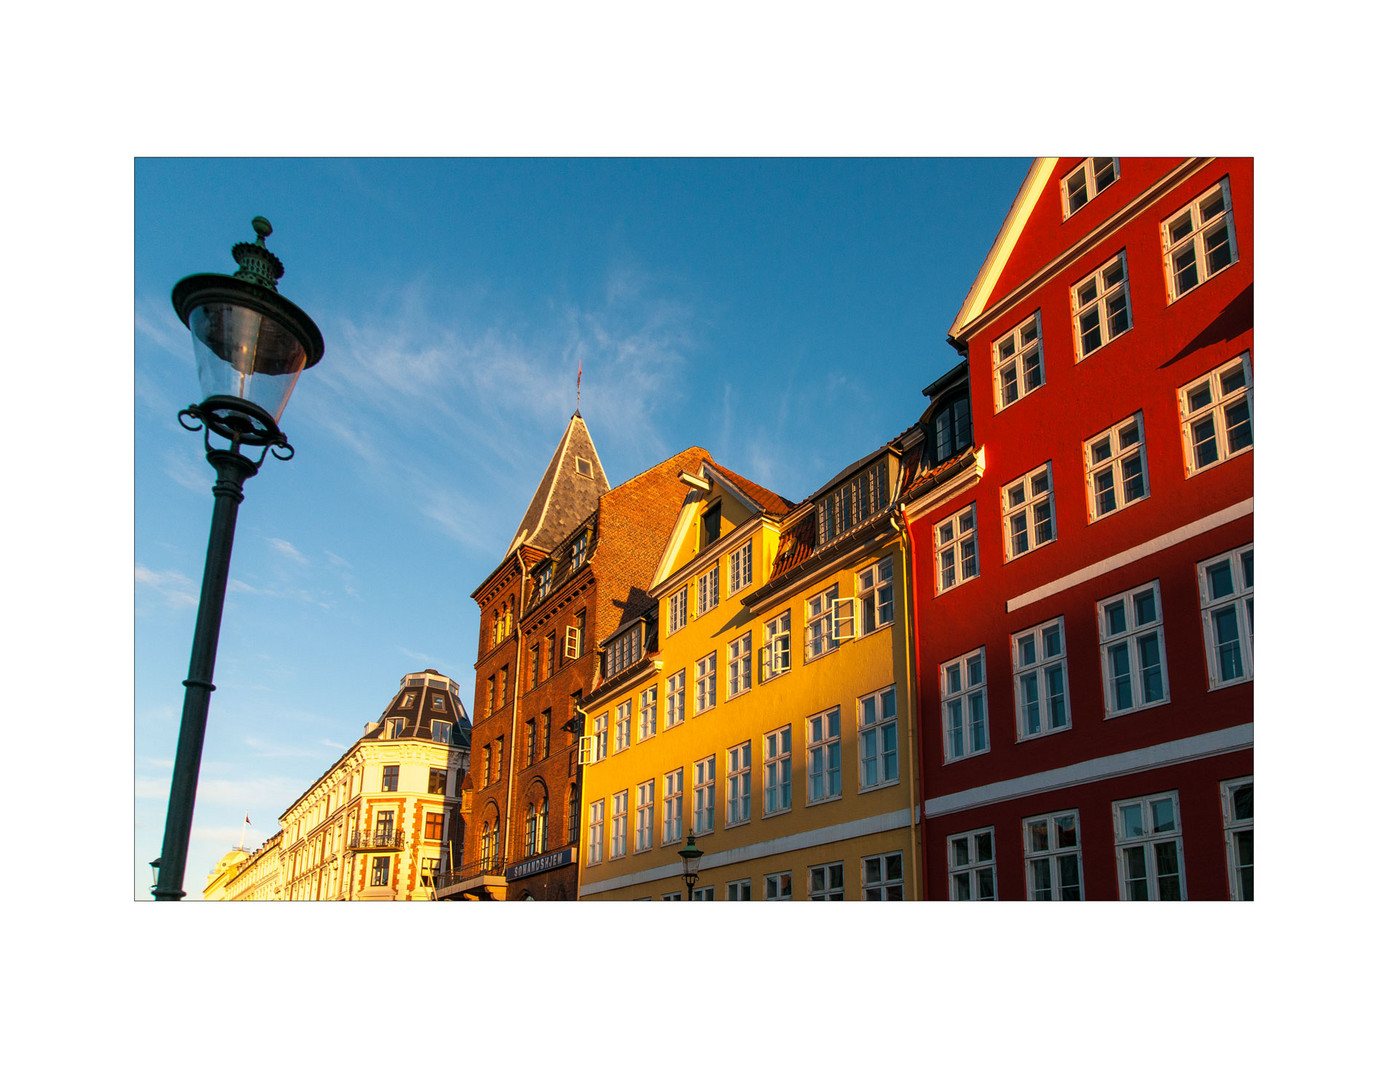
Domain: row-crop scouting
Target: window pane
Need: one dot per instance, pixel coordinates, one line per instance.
(1163, 815)
(1038, 835)
(1236, 422)
(1243, 802)
(983, 845)
(1220, 579)
(1145, 607)
(1041, 879)
(1131, 819)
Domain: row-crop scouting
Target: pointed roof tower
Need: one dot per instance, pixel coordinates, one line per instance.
(568, 492)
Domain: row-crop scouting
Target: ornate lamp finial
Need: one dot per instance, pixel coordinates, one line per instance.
(258, 264)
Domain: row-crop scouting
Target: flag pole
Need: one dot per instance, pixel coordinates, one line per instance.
(243, 830)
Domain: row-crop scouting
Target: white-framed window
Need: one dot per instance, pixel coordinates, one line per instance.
(964, 705)
(1052, 844)
(819, 624)
(1198, 241)
(649, 708)
(740, 890)
(740, 568)
(703, 796)
(1217, 415)
(1132, 649)
(877, 760)
(1039, 679)
(708, 590)
(776, 650)
(1115, 465)
(1147, 834)
(875, 599)
(706, 684)
(703, 892)
(776, 788)
(677, 609)
(543, 580)
(956, 550)
(739, 784)
(1099, 305)
(826, 881)
(578, 552)
(671, 896)
(574, 636)
(972, 867)
(595, 827)
(822, 751)
(672, 821)
(619, 825)
(621, 730)
(883, 878)
(851, 503)
(624, 651)
(777, 886)
(1226, 609)
(1086, 180)
(674, 699)
(740, 664)
(1028, 512)
(1236, 797)
(1018, 364)
(599, 739)
(645, 815)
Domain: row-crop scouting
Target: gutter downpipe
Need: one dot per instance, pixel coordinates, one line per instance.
(898, 521)
(515, 708)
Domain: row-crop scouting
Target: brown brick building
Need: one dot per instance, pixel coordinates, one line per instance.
(578, 568)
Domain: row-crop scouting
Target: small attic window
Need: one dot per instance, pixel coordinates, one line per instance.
(584, 466)
(407, 700)
(712, 524)
(436, 702)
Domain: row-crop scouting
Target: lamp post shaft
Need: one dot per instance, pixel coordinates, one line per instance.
(233, 471)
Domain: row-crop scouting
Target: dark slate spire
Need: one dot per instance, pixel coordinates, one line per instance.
(568, 492)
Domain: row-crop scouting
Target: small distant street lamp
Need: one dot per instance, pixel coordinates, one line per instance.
(690, 856)
(251, 344)
(154, 874)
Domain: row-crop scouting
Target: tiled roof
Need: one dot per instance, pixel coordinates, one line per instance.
(928, 478)
(763, 497)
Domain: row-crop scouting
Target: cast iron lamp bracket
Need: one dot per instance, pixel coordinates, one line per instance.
(240, 422)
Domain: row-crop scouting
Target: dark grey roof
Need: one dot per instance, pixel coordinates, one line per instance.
(565, 496)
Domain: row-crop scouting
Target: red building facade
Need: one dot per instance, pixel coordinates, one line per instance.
(1083, 546)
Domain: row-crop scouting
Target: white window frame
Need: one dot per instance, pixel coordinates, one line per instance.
(1131, 638)
(1238, 601)
(1196, 242)
(879, 763)
(740, 568)
(1038, 664)
(1043, 840)
(1028, 502)
(778, 886)
(740, 665)
(1205, 405)
(599, 739)
(645, 816)
(876, 597)
(956, 547)
(595, 831)
(740, 890)
(677, 609)
(1089, 172)
(708, 591)
(823, 756)
(674, 699)
(621, 727)
(706, 684)
(705, 796)
(819, 624)
(619, 826)
(672, 819)
(828, 888)
(1109, 303)
(884, 876)
(578, 552)
(964, 705)
(1234, 826)
(573, 644)
(542, 581)
(650, 708)
(973, 865)
(1123, 444)
(739, 785)
(702, 893)
(1018, 360)
(1147, 839)
(776, 755)
(776, 650)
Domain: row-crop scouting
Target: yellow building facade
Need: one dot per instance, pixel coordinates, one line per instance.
(763, 703)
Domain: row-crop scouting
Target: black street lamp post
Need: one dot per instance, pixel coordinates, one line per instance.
(251, 344)
(690, 856)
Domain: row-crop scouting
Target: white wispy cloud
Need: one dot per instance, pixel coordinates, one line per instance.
(284, 547)
(175, 589)
(189, 471)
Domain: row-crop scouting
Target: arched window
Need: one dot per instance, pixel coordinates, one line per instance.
(542, 829)
(530, 822)
(573, 814)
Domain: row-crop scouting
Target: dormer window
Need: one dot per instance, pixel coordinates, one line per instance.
(436, 702)
(583, 466)
(854, 502)
(542, 580)
(951, 430)
(711, 525)
(407, 701)
(624, 650)
(579, 552)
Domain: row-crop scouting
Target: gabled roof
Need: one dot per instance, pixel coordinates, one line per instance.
(758, 497)
(565, 496)
(982, 290)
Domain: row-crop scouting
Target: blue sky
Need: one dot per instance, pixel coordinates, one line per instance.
(783, 313)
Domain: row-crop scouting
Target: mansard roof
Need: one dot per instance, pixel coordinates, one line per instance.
(565, 496)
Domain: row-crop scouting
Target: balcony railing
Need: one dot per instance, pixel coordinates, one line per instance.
(377, 840)
(493, 867)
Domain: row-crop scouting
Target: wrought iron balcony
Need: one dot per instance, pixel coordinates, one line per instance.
(446, 880)
(377, 840)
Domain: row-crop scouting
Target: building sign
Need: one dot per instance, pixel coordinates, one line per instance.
(552, 860)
